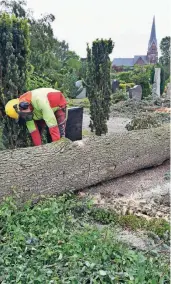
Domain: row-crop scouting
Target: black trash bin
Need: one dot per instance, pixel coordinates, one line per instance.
(74, 123)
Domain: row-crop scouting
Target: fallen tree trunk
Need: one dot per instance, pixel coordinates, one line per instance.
(62, 166)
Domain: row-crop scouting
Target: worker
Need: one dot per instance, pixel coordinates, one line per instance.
(40, 108)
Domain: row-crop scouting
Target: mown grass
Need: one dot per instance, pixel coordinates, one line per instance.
(56, 241)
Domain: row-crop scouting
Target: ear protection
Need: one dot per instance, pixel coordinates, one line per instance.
(24, 105)
(27, 116)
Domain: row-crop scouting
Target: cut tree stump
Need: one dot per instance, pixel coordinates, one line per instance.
(62, 166)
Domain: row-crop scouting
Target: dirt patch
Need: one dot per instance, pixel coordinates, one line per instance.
(141, 241)
(144, 193)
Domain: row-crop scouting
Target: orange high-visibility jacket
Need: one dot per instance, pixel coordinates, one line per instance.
(45, 102)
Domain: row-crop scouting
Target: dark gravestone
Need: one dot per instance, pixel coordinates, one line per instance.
(135, 93)
(115, 85)
(74, 123)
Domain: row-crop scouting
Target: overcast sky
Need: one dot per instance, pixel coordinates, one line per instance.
(127, 22)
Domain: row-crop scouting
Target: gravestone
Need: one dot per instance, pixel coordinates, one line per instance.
(78, 84)
(156, 84)
(82, 95)
(81, 92)
(135, 93)
(115, 85)
(74, 123)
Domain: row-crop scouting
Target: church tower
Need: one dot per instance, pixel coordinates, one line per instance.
(152, 53)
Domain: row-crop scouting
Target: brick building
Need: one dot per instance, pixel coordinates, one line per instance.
(151, 57)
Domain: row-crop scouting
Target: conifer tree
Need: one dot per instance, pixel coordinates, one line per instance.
(14, 61)
(98, 83)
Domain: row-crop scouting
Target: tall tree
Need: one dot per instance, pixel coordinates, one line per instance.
(48, 55)
(98, 83)
(50, 59)
(165, 55)
(42, 41)
(16, 7)
(165, 51)
(14, 59)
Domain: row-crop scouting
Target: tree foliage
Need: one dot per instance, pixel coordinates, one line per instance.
(49, 57)
(68, 87)
(16, 7)
(30, 57)
(98, 82)
(139, 75)
(165, 55)
(165, 51)
(14, 66)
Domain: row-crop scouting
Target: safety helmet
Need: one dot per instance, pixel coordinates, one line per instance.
(10, 110)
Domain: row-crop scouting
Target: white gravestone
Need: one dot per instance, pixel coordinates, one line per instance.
(156, 85)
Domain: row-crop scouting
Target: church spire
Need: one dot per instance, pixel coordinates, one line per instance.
(153, 39)
(152, 53)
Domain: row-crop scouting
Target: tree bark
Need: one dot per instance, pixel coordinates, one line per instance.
(62, 166)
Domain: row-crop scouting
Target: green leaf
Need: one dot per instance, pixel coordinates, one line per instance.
(102, 272)
(60, 256)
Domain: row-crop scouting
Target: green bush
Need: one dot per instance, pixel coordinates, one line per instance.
(79, 102)
(141, 76)
(126, 86)
(130, 85)
(120, 95)
(122, 82)
(84, 103)
(53, 242)
(112, 76)
(68, 86)
(36, 81)
(122, 87)
(124, 76)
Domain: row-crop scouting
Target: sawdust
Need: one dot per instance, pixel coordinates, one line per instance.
(144, 193)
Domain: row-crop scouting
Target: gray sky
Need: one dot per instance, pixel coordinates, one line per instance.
(127, 22)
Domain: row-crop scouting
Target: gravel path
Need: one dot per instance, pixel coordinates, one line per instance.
(116, 124)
